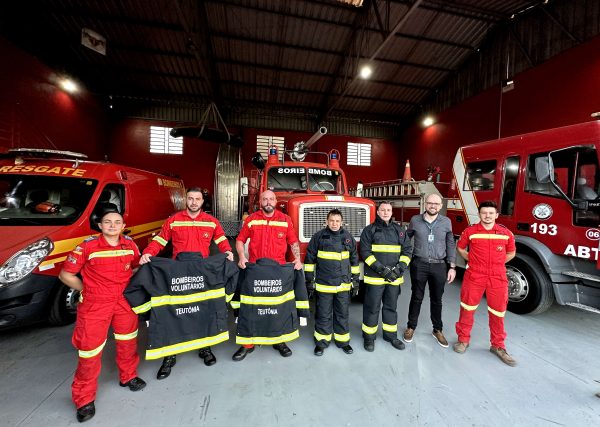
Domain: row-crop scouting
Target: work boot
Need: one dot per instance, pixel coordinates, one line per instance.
(503, 355)
(397, 344)
(369, 345)
(408, 334)
(460, 347)
(318, 351)
(283, 349)
(347, 349)
(134, 384)
(208, 356)
(86, 412)
(440, 338)
(165, 369)
(241, 354)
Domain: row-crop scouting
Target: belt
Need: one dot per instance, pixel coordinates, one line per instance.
(431, 260)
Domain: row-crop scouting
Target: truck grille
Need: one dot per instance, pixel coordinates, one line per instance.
(313, 217)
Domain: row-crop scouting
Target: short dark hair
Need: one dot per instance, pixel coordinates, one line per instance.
(335, 212)
(384, 202)
(193, 190)
(488, 204)
(107, 210)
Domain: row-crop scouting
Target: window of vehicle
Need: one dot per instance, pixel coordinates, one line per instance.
(161, 141)
(43, 200)
(509, 190)
(320, 179)
(480, 176)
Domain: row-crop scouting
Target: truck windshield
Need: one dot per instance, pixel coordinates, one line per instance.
(301, 178)
(43, 200)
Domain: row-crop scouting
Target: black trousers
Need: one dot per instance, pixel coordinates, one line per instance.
(421, 273)
(375, 295)
(332, 316)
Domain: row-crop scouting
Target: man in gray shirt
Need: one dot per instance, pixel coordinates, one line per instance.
(433, 262)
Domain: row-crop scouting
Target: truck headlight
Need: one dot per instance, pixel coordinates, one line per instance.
(25, 261)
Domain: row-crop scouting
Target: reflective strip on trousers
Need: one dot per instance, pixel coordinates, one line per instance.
(496, 313)
(326, 289)
(341, 337)
(125, 337)
(158, 353)
(267, 340)
(379, 281)
(389, 328)
(369, 329)
(321, 337)
(468, 307)
(86, 354)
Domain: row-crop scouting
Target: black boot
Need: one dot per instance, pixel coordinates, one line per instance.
(165, 369)
(283, 349)
(134, 384)
(208, 356)
(242, 353)
(86, 412)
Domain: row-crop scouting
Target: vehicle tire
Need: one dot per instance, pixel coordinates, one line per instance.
(63, 308)
(529, 287)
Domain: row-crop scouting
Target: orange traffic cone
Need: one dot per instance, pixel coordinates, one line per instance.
(407, 176)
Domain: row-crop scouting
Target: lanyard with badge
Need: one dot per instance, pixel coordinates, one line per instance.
(430, 237)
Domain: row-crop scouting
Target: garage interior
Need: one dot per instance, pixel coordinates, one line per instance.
(484, 70)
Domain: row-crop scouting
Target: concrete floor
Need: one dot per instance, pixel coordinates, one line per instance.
(554, 383)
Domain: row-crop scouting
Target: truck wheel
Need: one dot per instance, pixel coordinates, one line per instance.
(64, 306)
(529, 287)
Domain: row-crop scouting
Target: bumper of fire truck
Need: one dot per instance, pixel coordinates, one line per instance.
(25, 301)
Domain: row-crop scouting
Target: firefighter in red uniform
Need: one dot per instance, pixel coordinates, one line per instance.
(490, 247)
(106, 263)
(190, 230)
(270, 232)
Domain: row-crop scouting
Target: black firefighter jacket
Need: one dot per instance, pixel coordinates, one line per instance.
(186, 299)
(272, 297)
(384, 245)
(331, 260)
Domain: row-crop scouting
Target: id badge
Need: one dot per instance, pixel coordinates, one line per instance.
(430, 238)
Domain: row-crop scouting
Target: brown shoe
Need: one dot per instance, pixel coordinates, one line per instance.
(408, 334)
(440, 338)
(503, 355)
(460, 347)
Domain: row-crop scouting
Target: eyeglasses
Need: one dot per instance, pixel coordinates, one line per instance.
(433, 204)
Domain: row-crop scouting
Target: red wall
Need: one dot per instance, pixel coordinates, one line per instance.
(36, 113)
(130, 145)
(562, 91)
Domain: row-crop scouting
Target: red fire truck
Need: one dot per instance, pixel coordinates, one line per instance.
(47, 204)
(546, 185)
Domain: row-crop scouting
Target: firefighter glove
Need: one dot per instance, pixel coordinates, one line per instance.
(399, 269)
(389, 275)
(310, 287)
(355, 286)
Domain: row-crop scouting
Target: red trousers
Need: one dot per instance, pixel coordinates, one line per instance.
(495, 287)
(89, 337)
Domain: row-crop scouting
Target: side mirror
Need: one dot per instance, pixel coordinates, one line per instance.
(244, 186)
(258, 161)
(543, 169)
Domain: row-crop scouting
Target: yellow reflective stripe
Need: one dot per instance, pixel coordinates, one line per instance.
(110, 254)
(488, 236)
(386, 248)
(302, 305)
(310, 268)
(193, 224)
(405, 259)
(257, 222)
(321, 337)
(278, 224)
(389, 328)
(267, 340)
(228, 297)
(235, 304)
(142, 308)
(86, 354)
(336, 256)
(370, 260)
(220, 239)
(265, 222)
(187, 299)
(468, 307)
(342, 337)
(369, 329)
(247, 299)
(496, 313)
(160, 240)
(158, 353)
(355, 269)
(381, 281)
(125, 337)
(326, 289)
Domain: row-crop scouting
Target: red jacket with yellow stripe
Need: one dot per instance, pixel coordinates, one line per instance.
(269, 236)
(189, 234)
(106, 269)
(487, 248)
